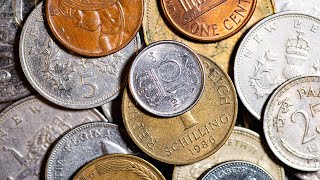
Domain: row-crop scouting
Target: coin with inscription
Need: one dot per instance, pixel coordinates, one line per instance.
(193, 135)
(27, 130)
(167, 78)
(94, 27)
(291, 124)
(68, 80)
(278, 48)
(242, 145)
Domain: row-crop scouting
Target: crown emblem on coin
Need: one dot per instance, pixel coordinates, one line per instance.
(297, 50)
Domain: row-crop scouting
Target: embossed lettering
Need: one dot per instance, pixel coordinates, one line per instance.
(248, 53)
(85, 82)
(257, 38)
(314, 28)
(17, 119)
(2, 134)
(271, 27)
(297, 23)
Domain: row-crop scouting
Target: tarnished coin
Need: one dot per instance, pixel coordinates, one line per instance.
(278, 48)
(194, 135)
(28, 128)
(242, 145)
(237, 170)
(208, 20)
(167, 78)
(291, 124)
(309, 6)
(94, 27)
(119, 166)
(68, 80)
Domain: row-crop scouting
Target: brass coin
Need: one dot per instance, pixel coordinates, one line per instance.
(94, 27)
(119, 166)
(194, 135)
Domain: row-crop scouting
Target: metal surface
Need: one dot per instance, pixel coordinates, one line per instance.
(309, 6)
(112, 110)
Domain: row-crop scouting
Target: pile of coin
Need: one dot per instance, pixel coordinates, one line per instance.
(141, 89)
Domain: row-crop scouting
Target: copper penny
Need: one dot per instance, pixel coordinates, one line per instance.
(208, 20)
(94, 27)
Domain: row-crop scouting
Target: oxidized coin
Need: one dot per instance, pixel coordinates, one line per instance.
(194, 135)
(278, 48)
(237, 170)
(291, 123)
(242, 145)
(82, 145)
(94, 27)
(28, 128)
(208, 20)
(119, 166)
(167, 78)
(68, 80)
(310, 6)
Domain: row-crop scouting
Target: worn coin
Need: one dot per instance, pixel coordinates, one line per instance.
(167, 78)
(68, 80)
(291, 123)
(242, 145)
(278, 48)
(28, 128)
(310, 6)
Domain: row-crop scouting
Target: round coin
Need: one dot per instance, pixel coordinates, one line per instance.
(67, 80)
(291, 123)
(167, 78)
(278, 48)
(96, 27)
(193, 135)
(119, 167)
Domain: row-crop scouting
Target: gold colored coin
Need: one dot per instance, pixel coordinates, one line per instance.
(194, 135)
(119, 166)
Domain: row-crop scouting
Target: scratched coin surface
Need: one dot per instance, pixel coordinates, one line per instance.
(68, 80)
(193, 135)
(94, 27)
(27, 130)
(167, 78)
(242, 145)
(291, 123)
(278, 48)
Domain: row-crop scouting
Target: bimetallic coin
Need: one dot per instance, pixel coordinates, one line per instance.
(28, 128)
(237, 170)
(68, 80)
(167, 78)
(310, 6)
(278, 48)
(194, 135)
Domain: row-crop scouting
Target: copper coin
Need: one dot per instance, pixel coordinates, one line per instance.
(208, 20)
(94, 27)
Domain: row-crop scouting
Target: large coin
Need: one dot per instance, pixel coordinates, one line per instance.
(243, 145)
(68, 80)
(291, 123)
(28, 128)
(278, 48)
(194, 135)
(167, 78)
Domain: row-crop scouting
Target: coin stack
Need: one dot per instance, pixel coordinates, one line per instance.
(119, 89)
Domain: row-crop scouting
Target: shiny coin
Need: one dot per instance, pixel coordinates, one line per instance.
(278, 48)
(310, 6)
(291, 123)
(167, 79)
(68, 80)
(119, 167)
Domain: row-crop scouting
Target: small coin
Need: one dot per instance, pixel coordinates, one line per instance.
(291, 123)
(237, 170)
(119, 166)
(167, 78)
(310, 6)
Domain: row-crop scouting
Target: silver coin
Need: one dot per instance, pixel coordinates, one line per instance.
(237, 170)
(291, 125)
(167, 78)
(28, 128)
(112, 110)
(68, 80)
(309, 6)
(278, 48)
(306, 175)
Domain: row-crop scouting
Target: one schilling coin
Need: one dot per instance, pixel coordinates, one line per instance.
(291, 124)
(194, 135)
(28, 128)
(167, 78)
(119, 166)
(67, 80)
(278, 48)
(208, 20)
(242, 145)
